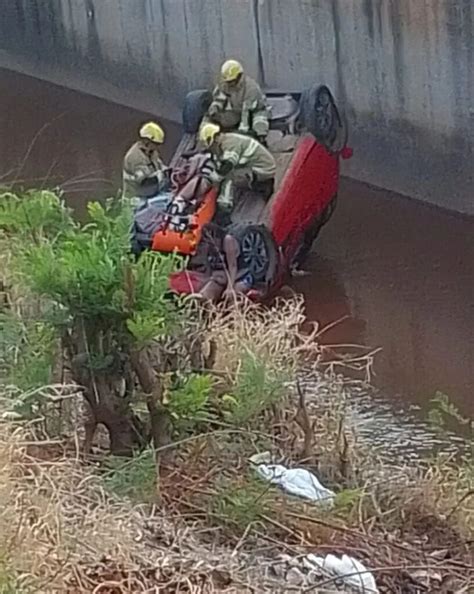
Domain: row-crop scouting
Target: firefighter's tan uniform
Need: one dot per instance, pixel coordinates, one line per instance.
(243, 164)
(240, 106)
(143, 171)
(243, 154)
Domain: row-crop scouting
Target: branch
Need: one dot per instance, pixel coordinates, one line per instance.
(304, 421)
(463, 498)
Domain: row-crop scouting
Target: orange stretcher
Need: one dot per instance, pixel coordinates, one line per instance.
(185, 243)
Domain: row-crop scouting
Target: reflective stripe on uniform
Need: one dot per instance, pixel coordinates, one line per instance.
(128, 176)
(232, 156)
(247, 108)
(260, 117)
(242, 151)
(219, 99)
(249, 152)
(260, 123)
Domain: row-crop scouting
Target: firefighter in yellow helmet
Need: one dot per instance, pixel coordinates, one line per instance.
(239, 159)
(239, 103)
(144, 172)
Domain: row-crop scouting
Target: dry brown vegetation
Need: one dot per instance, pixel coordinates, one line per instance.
(62, 532)
(198, 520)
(205, 523)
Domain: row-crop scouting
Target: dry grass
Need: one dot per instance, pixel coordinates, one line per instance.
(272, 334)
(63, 533)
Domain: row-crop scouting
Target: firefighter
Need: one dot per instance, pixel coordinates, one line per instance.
(239, 103)
(240, 159)
(144, 172)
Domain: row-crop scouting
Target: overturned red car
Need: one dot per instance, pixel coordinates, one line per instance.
(308, 136)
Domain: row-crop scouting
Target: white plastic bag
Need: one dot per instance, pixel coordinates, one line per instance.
(346, 567)
(296, 481)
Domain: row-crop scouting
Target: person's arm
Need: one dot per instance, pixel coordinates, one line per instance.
(219, 99)
(229, 159)
(137, 167)
(221, 166)
(261, 124)
(254, 110)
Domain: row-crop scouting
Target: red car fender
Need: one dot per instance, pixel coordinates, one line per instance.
(307, 188)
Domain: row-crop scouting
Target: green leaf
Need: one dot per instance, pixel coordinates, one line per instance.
(190, 399)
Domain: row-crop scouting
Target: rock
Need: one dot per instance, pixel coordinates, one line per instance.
(294, 577)
(426, 577)
(314, 560)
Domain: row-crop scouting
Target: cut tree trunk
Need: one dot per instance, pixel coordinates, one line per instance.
(151, 384)
(126, 431)
(109, 405)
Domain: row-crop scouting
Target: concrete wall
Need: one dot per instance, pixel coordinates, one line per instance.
(402, 69)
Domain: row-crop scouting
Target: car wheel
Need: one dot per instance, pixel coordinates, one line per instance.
(320, 116)
(195, 107)
(258, 252)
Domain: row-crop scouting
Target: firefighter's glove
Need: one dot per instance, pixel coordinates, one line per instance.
(209, 172)
(225, 168)
(215, 177)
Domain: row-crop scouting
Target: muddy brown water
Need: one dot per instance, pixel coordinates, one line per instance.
(397, 273)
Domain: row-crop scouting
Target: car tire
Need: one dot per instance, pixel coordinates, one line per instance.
(195, 107)
(320, 116)
(258, 251)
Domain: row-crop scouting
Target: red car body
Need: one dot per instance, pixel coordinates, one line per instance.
(306, 191)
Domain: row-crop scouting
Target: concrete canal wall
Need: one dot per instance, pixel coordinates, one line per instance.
(402, 69)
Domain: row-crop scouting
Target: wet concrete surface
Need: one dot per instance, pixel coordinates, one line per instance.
(400, 273)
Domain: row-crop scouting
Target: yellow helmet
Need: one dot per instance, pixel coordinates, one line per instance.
(231, 70)
(152, 131)
(208, 133)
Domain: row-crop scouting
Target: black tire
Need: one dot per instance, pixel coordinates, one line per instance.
(258, 251)
(195, 107)
(320, 116)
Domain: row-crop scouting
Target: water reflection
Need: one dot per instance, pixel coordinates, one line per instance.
(403, 273)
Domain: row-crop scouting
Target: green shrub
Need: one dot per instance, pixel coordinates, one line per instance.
(34, 214)
(103, 305)
(258, 385)
(241, 503)
(27, 351)
(189, 400)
